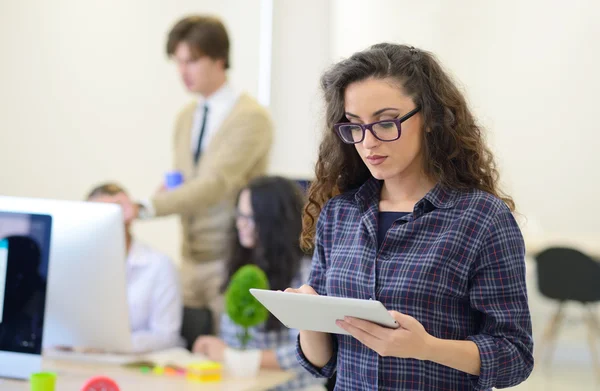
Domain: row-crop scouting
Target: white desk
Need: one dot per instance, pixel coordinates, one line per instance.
(72, 375)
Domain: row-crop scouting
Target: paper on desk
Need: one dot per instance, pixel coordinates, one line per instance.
(175, 356)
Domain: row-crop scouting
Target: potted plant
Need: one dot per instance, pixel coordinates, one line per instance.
(244, 310)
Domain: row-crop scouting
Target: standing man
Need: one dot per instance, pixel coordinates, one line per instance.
(221, 141)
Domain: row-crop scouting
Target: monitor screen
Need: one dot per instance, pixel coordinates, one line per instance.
(304, 184)
(24, 253)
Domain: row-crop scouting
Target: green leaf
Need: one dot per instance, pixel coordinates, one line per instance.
(243, 309)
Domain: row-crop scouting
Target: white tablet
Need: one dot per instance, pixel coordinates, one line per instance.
(319, 313)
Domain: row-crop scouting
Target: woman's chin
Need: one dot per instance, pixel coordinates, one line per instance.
(246, 243)
(379, 174)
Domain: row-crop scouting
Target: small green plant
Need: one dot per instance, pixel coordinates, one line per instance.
(243, 309)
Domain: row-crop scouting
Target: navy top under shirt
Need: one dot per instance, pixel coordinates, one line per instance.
(386, 219)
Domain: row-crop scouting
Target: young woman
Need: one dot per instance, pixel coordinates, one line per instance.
(266, 233)
(406, 209)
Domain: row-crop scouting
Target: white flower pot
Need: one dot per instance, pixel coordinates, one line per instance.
(242, 363)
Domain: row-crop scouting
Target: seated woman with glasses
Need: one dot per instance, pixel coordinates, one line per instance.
(406, 209)
(266, 233)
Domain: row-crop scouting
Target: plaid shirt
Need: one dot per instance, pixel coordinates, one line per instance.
(283, 341)
(456, 264)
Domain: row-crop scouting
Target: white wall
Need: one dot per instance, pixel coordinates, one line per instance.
(300, 53)
(530, 72)
(87, 94)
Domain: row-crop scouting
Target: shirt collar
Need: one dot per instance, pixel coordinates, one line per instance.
(221, 97)
(439, 197)
(368, 192)
(136, 257)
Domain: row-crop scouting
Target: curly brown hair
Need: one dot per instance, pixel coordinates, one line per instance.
(455, 151)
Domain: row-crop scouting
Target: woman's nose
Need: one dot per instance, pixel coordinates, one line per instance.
(370, 141)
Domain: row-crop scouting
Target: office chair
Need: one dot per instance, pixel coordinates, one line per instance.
(566, 274)
(196, 322)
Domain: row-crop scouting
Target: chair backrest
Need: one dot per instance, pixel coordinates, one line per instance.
(568, 274)
(196, 322)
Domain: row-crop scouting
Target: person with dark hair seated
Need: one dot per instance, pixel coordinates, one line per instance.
(266, 233)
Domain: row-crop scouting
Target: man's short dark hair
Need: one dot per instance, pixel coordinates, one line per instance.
(205, 35)
(106, 189)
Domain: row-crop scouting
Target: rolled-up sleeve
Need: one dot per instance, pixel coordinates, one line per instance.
(498, 291)
(328, 370)
(317, 280)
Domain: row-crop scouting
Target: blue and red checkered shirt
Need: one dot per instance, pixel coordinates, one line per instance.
(456, 264)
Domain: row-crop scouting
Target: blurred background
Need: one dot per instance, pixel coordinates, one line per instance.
(87, 94)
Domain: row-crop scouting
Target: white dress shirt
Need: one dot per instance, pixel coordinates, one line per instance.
(219, 106)
(155, 301)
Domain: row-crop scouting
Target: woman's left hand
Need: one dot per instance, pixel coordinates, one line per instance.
(212, 347)
(410, 340)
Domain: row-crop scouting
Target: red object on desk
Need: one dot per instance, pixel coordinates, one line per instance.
(100, 383)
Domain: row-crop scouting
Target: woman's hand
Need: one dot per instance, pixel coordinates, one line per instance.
(212, 347)
(305, 289)
(316, 346)
(410, 340)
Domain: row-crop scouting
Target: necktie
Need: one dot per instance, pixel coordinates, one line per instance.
(202, 130)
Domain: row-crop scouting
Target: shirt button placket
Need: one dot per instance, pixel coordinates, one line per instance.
(373, 296)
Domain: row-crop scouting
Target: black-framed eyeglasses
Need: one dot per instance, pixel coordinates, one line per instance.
(386, 130)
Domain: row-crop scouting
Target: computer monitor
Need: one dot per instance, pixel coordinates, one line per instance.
(24, 251)
(86, 302)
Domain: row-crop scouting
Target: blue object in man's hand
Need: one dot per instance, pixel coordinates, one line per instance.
(173, 179)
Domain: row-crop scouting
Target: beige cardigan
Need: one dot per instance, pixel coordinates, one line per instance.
(237, 152)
